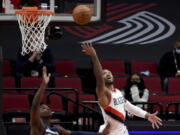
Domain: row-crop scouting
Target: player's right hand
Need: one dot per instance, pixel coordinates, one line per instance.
(88, 49)
(46, 76)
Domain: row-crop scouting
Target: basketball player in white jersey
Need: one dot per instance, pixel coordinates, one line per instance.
(111, 100)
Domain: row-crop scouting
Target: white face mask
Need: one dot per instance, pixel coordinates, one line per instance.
(177, 51)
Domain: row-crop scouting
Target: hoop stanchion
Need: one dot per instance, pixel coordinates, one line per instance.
(33, 23)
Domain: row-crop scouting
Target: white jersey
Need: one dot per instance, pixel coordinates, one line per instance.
(117, 110)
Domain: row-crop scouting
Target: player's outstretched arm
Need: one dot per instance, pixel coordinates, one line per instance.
(153, 118)
(101, 91)
(35, 120)
(88, 49)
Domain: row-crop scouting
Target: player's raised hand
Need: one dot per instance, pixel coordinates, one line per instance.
(46, 76)
(88, 49)
(156, 121)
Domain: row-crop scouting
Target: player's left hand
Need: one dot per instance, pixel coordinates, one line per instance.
(155, 120)
(88, 49)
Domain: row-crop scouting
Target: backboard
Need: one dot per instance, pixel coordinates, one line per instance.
(62, 8)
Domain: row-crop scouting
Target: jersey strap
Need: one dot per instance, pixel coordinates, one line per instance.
(115, 114)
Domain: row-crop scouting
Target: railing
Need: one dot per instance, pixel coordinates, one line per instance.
(87, 115)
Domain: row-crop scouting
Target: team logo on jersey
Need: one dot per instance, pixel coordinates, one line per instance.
(142, 27)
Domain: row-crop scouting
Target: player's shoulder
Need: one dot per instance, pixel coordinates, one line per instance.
(62, 130)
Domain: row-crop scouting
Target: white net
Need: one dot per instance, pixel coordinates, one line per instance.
(33, 28)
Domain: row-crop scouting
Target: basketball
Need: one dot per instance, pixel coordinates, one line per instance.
(82, 14)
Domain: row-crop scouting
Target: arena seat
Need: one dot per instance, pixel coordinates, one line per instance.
(30, 82)
(174, 85)
(15, 103)
(65, 68)
(165, 100)
(142, 66)
(15, 106)
(55, 103)
(8, 82)
(153, 84)
(70, 82)
(120, 82)
(117, 67)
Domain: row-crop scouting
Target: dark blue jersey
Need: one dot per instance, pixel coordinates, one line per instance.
(50, 130)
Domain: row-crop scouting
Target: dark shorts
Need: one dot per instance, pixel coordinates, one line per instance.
(84, 133)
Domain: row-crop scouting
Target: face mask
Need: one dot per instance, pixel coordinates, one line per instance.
(177, 51)
(135, 83)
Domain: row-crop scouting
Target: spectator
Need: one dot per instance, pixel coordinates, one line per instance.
(169, 65)
(135, 90)
(30, 65)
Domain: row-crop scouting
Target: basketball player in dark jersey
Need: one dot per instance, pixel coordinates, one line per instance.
(41, 115)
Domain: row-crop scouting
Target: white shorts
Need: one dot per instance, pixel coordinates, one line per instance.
(118, 131)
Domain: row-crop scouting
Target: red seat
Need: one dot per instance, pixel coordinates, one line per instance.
(6, 68)
(8, 82)
(165, 100)
(15, 108)
(56, 104)
(117, 67)
(174, 99)
(142, 66)
(174, 86)
(160, 100)
(64, 82)
(15, 103)
(30, 82)
(120, 82)
(65, 68)
(153, 84)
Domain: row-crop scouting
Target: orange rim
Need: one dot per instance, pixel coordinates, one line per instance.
(33, 11)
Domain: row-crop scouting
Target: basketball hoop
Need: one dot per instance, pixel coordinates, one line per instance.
(33, 23)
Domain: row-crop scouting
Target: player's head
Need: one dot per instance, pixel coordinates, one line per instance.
(108, 77)
(45, 111)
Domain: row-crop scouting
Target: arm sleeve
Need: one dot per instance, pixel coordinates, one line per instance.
(135, 94)
(145, 96)
(134, 109)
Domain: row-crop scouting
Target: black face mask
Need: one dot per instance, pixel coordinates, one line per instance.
(135, 83)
